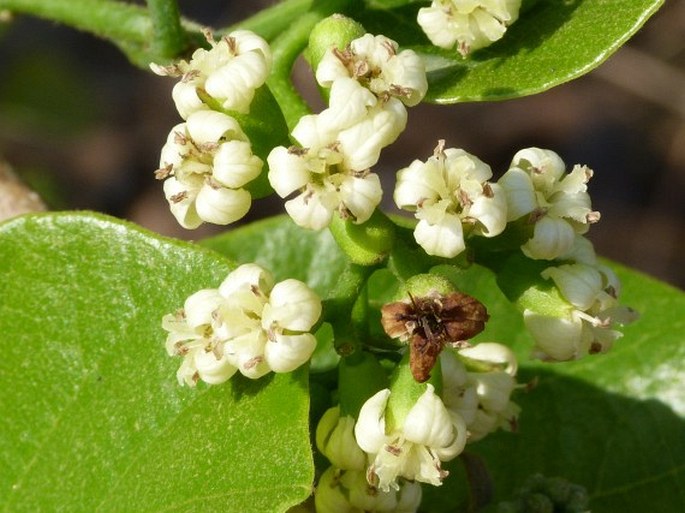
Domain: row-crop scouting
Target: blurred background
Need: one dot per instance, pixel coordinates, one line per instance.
(84, 128)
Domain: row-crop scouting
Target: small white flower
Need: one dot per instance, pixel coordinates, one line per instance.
(335, 439)
(206, 161)
(470, 24)
(347, 491)
(428, 436)
(247, 324)
(332, 175)
(556, 202)
(586, 325)
(373, 61)
(229, 72)
(195, 334)
(481, 397)
(452, 199)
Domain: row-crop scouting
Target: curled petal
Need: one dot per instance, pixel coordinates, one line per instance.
(370, 428)
(490, 211)
(492, 352)
(212, 369)
(552, 237)
(181, 197)
(287, 352)
(209, 126)
(428, 423)
(580, 284)
(556, 338)
(361, 196)
(313, 210)
(245, 278)
(234, 83)
(519, 192)
(200, 306)
(420, 182)
(220, 205)
(287, 171)
(292, 306)
(235, 165)
(445, 239)
(246, 352)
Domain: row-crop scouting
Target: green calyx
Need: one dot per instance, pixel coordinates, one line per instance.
(405, 392)
(423, 285)
(336, 31)
(365, 244)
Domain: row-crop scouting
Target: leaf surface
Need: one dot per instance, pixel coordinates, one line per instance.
(93, 418)
(552, 42)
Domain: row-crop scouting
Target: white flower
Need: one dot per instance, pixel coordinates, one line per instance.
(206, 161)
(373, 61)
(229, 73)
(414, 450)
(586, 324)
(247, 324)
(470, 24)
(195, 334)
(481, 395)
(330, 171)
(335, 439)
(451, 197)
(557, 203)
(347, 491)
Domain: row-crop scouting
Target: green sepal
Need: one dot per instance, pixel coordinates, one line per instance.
(360, 377)
(365, 244)
(405, 391)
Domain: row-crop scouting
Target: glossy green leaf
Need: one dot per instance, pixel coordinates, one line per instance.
(552, 42)
(287, 250)
(613, 423)
(92, 417)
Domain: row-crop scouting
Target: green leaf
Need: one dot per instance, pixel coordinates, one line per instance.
(287, 250)
(613, 423)
(92, 417)
(552, 42)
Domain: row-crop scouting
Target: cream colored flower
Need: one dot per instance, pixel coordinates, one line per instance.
(229, 73)
(468, 24)
(587, 323)
(414, 450)
(375, 63)
(248, 324)
(556, 202)
(451, 197)
(347, 491)
(205, 163)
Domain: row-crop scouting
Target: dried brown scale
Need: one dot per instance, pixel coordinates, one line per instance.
(429, 323)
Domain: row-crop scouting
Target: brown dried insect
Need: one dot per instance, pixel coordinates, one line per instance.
(432, 322)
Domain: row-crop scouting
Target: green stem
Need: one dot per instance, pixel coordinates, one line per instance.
(128, 26)
(287, 47)
(169, 39)
(273, 20)
(338, 308)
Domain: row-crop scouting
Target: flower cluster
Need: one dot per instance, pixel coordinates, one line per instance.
(477, 385)
(557, 203)
(249, 324)
(329, 170)
(468, 24)
(586, 320)
(414, 448)
(208, 160)
(451, 197)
